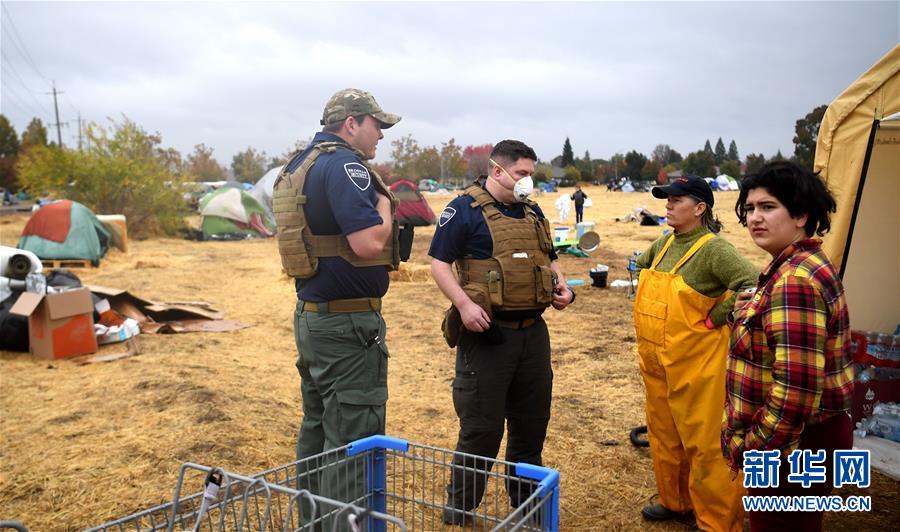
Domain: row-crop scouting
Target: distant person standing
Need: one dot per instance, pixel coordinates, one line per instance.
(578, 197)
(683, 300)
(337, 237)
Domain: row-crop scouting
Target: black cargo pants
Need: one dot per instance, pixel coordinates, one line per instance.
(507, 383)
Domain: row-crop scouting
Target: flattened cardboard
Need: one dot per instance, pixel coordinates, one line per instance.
(167, 318)
(156, 311)
(173, 327)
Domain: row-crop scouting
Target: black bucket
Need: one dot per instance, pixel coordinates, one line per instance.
(599, 279)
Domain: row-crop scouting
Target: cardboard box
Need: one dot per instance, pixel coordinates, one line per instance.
(867, 394)
(59, 325)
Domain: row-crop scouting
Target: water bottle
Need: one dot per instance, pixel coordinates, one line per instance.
(865, 375)
(885, 340)
(872, 350)
(887, 421)
(894, 357)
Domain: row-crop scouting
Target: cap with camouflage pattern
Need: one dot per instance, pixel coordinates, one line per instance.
(355, 102)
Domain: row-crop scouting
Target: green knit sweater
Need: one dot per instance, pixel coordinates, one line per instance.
(715, 268)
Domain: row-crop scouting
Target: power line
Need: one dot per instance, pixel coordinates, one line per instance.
(18, 78)
(24, 50)
(9, 90)
(69, 101)
(22, 103)
(20, 46)
(15, 104)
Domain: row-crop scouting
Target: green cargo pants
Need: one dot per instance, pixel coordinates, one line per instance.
(343, 362)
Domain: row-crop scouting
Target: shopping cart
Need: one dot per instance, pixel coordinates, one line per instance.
(377, 484)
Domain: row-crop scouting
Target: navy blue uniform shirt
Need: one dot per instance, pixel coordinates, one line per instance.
(462, 232)
(341, 199)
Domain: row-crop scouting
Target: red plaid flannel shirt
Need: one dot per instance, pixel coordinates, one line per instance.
(789, 363)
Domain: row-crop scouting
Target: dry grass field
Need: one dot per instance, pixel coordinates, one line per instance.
(81, 445)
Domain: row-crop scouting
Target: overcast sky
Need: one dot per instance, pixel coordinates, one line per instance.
(610, 76)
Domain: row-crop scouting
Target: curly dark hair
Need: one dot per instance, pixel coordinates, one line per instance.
(800, 190)
(512, 151)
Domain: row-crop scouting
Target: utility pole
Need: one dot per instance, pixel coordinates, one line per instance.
(79, 130)
(56, 108)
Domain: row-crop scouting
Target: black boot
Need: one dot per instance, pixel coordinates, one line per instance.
(658, 512)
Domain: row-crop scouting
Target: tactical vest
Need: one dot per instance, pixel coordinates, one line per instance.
(518, 274)
(299, 248)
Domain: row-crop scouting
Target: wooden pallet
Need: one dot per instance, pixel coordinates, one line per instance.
(53, 264)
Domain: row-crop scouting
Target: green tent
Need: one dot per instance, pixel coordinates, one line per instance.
(65, 230)
(231, 213)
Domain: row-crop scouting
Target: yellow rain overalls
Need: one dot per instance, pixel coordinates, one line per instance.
(683, 366)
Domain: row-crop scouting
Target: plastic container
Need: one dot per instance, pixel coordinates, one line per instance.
(561, 233)
(583, 227)
(884, 422)
(599, 278)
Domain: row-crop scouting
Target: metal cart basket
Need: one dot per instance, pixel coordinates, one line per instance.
(377, 483)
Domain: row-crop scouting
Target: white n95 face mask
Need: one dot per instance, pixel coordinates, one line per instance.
(523, 188)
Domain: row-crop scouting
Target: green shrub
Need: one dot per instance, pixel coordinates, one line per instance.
(124, 171)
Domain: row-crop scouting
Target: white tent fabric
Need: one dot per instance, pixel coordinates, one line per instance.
(262, 190)
(227, 204)
(726, 182)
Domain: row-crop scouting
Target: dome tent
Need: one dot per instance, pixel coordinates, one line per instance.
(65, 229)
(726, 182)
(413, 208)
(232, 213)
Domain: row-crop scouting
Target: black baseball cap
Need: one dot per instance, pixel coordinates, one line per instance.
(682, 186)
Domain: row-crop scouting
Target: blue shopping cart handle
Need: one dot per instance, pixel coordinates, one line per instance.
(548, 478)
(377, 442)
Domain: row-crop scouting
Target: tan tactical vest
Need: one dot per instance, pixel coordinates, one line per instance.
(518, 275)
(299, 248)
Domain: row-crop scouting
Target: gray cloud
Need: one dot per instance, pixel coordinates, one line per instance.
(611, 76)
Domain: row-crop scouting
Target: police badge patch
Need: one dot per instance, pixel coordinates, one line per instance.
(359, 175)
(446, 215)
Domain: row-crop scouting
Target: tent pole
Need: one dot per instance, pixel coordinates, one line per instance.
(859, 193)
